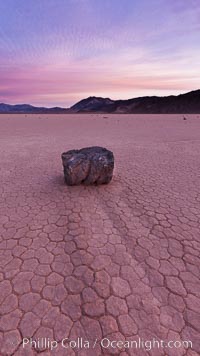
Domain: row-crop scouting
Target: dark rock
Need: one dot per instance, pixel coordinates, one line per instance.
(90, 165)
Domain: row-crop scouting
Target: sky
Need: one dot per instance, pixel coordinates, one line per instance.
(57, 52)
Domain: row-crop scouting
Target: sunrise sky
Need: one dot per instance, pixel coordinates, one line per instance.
(56, 52)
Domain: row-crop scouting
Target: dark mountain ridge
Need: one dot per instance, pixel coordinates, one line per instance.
(29, 109)
(188, 103)
(183, 103)
(92, 103)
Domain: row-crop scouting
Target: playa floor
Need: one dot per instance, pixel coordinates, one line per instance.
(89, 270)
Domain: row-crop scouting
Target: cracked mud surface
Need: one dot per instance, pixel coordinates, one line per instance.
(118, 261)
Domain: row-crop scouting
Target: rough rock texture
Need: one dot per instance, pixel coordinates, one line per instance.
(90, 165)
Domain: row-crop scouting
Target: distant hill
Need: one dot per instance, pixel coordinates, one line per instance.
(188, 103)
(184, 103)
(29, 109)
(93, 103)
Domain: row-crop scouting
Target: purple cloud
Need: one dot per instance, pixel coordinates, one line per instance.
(55, 52)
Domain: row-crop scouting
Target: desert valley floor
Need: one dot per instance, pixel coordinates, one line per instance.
(111, 262)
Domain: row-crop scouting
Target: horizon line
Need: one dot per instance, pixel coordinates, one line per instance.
(100, 97)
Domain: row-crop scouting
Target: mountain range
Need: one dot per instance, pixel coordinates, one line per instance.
(188, 103)
(29, 109)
